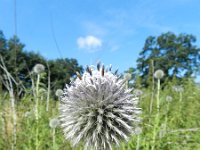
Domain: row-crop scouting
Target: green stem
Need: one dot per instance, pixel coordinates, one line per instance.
(54, 138)
(155, 131)
(138, 142)
(158, 96)
(36, 112)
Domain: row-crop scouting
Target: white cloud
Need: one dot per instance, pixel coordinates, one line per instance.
(91, 43)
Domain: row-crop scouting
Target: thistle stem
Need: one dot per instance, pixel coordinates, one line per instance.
(36, 111)
(138, 142)
(157, 115)
(54, 137)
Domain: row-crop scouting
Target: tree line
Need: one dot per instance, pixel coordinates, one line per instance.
(20, 62)
(176, 55)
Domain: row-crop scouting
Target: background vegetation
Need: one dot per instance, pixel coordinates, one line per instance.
(175, 125)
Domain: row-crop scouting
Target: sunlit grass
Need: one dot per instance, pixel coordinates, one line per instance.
(178, 126)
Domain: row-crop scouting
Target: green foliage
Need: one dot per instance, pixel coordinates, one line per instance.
(176, 55)
(178, 126)
(20, 63)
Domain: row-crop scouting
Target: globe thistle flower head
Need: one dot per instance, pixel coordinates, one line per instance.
(27, 114)
(138, 130)
(169, 98)
(53, 123)
(159, 74)
(38, 68)
(97, 110)
(138, 92)
(59, 92)
(178, 88)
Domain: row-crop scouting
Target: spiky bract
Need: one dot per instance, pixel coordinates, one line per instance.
(98, 111)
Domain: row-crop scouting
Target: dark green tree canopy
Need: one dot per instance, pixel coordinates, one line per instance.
(176, 55)
(20, 62)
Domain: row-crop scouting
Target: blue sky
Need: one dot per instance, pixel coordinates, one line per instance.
(112, 31)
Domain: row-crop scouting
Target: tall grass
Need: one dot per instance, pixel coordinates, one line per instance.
(174, 128)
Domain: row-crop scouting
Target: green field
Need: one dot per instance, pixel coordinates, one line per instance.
(175, 127)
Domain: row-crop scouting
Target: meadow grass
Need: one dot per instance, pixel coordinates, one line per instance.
(176, 127)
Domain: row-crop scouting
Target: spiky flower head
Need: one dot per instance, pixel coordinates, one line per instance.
(178, 88)
(38, 68)
(138, 130)
(97, 110)
(159, 74)
(27, 114)
(59, 92)
(169, 98)
(53, 123)
(137, 92)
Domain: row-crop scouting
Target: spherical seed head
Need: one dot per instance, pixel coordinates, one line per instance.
(159, 74)
(98, 110)
(59, 92)
(169, 98)
(178, 88)
(138, 92)
(38, 68)
(138, 130)
(53, 123)
(27, 114)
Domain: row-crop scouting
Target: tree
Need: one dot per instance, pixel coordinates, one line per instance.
(20, 63)
(176, 55)
(62, 70)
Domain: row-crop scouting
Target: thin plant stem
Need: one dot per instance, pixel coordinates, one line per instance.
(54, 137)
(152, 90)
(158, 96)
(180, 96)
(49, 87)
(36, 111)
(157, 116)
(166, 118)
(9, 85)
(138, 142)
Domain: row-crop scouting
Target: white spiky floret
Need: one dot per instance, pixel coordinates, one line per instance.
(97, 110)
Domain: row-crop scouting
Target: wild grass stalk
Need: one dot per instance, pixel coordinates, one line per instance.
(49, 87)
(8, 83)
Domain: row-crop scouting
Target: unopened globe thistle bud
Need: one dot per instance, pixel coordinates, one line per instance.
(138, 130)
(27, 114)
(159, 74)
(59, 92)
(38, 68)
(178, 88)
(98, 111)
(53, 123)
(127, 76)
(138, 92)
(169, 98)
